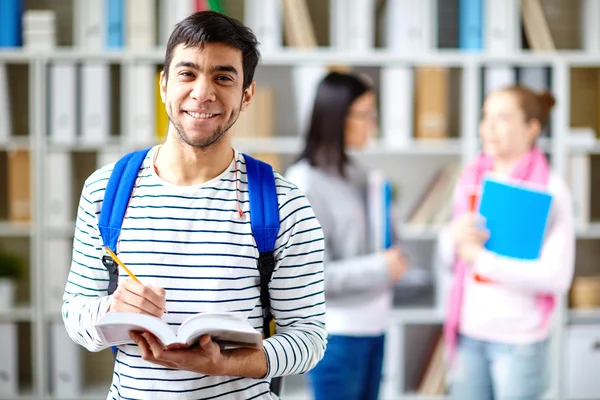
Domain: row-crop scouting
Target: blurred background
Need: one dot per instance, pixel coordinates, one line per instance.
(78, 89)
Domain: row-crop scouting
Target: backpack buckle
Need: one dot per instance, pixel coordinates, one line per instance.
(113, 273)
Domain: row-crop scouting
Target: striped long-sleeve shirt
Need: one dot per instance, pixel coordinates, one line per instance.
(188, 241)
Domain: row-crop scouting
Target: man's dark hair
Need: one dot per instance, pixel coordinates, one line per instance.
(325, 140)
(213, 27)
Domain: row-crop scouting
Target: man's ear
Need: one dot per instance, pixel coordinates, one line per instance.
(248, 95)
(163, 85)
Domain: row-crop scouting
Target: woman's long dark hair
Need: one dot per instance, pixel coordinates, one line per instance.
(325, 145)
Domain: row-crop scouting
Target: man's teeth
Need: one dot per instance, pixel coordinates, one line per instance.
(200, 115)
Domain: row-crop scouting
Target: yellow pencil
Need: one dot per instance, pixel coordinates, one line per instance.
(120, 263)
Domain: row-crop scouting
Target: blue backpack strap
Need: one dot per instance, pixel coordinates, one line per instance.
(264, 220)
(114, 205)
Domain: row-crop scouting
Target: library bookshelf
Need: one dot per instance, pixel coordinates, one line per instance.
(409, 160)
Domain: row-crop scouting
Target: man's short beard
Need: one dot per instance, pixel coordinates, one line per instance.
(204, 143)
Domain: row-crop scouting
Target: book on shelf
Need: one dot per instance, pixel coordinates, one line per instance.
(19, 187)
(431, 102)
(298, 27)
(434, 207)
(536, 26)
(516, 215)
(227, 329)
(257, 119)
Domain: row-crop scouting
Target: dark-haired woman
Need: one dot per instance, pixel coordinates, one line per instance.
(358, 277)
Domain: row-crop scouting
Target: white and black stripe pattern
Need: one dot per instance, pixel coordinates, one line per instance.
(187, 240)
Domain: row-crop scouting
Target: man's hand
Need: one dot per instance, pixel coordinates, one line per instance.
(134, 297)
(207, 358)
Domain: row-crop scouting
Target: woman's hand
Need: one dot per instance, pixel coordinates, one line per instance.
(397, 264)
(468, 236)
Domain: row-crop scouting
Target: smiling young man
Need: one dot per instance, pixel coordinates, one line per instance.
(183, 237)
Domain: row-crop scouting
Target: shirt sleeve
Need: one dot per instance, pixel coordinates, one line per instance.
(553, 271)
(86, 299)
(297, 291)
(343, 275)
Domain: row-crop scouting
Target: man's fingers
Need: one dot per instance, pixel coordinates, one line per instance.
(143, 346)
(154, 345)
(143, 298)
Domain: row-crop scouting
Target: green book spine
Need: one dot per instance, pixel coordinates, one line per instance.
(215, 5)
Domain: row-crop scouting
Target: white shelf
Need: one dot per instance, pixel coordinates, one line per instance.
(583, 316)
(24, 394)
(17, 314)
(324, 55)
(593, 232)
(17, 142)
(451, 146)
(13, 229)
(415, 396)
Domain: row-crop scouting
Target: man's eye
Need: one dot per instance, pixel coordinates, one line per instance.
(224, 78)
(186, 73)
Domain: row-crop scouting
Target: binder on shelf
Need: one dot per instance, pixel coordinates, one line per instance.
(39, 29)
(590, 29)
(411, 26)
(536, 78)
(352, 25)
(57, 258)
(19, 186)
(140, 104)
(66, 363)
(502, 26)
(432, 102)
(498, 77)
(397, 94)
(63, 102)
(141, 24)
(171, 12)
(9, 367)
(107, 156)
(161, 117)
(89, 27)
(579, 180)
(5, 117)
(58, 181)
(305, 81)
(115, 24)
(264, 17)
(95, 102)
(257, 120)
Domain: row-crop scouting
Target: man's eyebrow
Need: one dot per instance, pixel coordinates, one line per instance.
(187, 64)
(226, 68)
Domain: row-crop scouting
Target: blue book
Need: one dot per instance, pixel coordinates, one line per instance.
(470, 24)
(11, 14)
(115, 20)
(516, 217)
(379, 204)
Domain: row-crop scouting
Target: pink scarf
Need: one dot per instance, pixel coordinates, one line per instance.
(532, 167)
